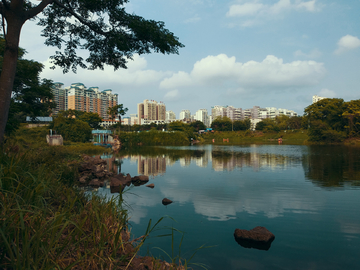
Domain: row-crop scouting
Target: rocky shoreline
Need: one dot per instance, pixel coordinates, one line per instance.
(93, 172)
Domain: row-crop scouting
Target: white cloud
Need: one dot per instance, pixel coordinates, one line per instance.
(327, 93)
(347, 43)
(171, 95)
(262, 11)
(315, 53)
(135, 75)
(246, 9)
(213, 71)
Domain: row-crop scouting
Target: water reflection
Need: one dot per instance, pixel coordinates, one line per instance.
(285, 188)
(332, 166)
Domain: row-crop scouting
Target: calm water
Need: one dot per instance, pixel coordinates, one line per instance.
(308, 196)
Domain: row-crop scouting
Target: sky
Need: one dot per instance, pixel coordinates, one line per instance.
(243, 53)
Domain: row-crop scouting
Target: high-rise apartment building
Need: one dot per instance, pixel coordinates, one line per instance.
(151, 111)
(59, 97)
(202, 115)
(170, 115)
(78, 97)
(228, 111)
(185, 115)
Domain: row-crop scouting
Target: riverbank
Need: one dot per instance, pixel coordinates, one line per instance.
(47, 222)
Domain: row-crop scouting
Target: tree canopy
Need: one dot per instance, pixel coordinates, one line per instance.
(93, 119)
(102, 27)
(333, 120)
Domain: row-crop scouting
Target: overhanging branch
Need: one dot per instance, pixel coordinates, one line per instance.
(81, 19)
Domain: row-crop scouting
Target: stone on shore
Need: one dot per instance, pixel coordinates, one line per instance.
(150, 185)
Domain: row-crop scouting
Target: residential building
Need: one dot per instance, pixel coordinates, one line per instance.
(185, 115)
(78, 97)
(151, 111)
(227, 111)
(316, 98)
(170, 116)
(202, 115)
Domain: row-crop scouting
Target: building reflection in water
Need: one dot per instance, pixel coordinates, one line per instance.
(151, 166)
(219, 160)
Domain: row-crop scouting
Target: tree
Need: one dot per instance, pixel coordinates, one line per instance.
(102, 27)
(241, 124)
(329, 111)
(198, 125)
(117, 110)
(30, 96)
(222, 124)
(267, 124)
(93, 119)
(72, 129)
(352, 114)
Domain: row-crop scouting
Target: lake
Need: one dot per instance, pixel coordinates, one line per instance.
(307, 196)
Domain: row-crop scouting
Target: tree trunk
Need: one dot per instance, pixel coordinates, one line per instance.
(9, 69)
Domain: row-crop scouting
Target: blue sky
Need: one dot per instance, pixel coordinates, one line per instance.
(244, 53)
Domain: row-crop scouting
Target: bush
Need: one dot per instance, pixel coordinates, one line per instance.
(72, 129)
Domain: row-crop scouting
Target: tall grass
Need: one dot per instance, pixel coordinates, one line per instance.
(46, 222)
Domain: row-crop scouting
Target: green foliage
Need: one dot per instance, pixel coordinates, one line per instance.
(327, 110)
(30, 95)
(222, 124)
(93, 119)
(281, 122)
(267, 125)
(333, 120)
(111, 37)
(154, 137)
(198, 125)
(102, 28)
(72, 129)
(117, 110)
(352, 115)
(241, 125)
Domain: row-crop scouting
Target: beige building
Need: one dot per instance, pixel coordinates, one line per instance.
(78, 97)
(151, 111)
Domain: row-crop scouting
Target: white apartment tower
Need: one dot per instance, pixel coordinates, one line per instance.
(185, 115)
(170, 115)
(202, 115)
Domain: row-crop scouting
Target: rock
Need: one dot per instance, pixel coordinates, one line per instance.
(125, 180)
(150, 185)
(140, 180)
(115, 182)
(83, 179)
(259, 238)
(166, 201)
(116, 189)
(94, 183)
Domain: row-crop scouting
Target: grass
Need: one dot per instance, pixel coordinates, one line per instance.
(46, 222)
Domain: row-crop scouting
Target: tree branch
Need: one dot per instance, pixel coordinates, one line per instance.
(85, 22)
(38, 9)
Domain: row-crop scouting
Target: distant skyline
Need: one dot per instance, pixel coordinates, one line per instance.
(244, 53)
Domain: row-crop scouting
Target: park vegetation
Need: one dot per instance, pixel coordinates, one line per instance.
(109, 35)
(333, 120)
